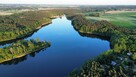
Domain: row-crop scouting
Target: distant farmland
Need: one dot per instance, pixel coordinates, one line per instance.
(124, 18)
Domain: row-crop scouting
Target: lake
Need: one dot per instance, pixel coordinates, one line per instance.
(69, 50)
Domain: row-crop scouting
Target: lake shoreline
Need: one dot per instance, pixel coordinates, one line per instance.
(62, 49)
(30, 33)
(108, 59)
(26, 35)
(46, 44)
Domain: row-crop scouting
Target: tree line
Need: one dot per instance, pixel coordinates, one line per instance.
(122, 53)
(21, 48)
(21, 24)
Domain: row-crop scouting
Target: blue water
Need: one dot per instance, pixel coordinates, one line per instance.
(69, 50)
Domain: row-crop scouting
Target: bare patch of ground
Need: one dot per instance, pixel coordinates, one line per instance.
(10, 12)
(5, 13)
(115, 12)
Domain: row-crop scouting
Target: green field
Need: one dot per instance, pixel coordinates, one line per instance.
(125, 19)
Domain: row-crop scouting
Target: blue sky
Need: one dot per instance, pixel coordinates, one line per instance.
(86, 2)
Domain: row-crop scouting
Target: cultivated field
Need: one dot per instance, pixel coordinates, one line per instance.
(122, 18)
(10, 12)
(116, 12)
(5, 13)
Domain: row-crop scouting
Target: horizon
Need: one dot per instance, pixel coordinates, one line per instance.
(70, 2)
(67, 4)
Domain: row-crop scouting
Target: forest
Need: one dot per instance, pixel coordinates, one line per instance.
(119, 61)
(20, 25)
(118, 35)
(21, 48)
(122, 53)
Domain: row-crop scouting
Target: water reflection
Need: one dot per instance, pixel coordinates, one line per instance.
(94, 36)
(21, 59)
(7, 43)
(15, 61)
(68, 51)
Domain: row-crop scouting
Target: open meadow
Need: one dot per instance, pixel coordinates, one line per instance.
(124, 18)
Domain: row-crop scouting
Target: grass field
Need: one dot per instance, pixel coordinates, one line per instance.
(10, 12)
(124, 19)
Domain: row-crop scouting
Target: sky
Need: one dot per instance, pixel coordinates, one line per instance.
(77, 2)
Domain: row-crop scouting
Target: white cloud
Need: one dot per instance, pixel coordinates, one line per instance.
(90, 2)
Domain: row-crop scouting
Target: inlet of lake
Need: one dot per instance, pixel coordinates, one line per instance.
(69, 50)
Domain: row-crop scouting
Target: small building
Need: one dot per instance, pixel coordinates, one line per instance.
(113, 63)
(129, 53)
(120, 58)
